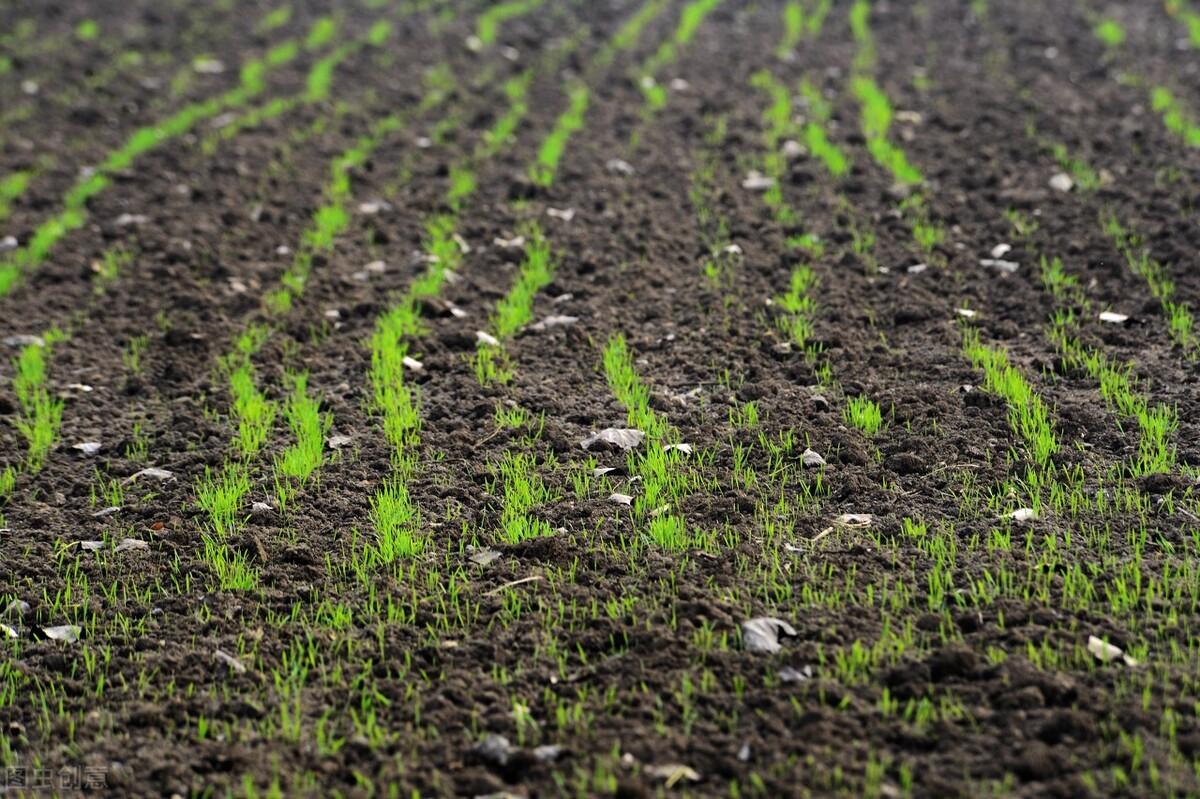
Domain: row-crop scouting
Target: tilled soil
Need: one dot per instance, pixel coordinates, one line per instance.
(624, 655)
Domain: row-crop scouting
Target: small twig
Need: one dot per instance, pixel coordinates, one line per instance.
(512, 584)
(486, 439)
(821, 535)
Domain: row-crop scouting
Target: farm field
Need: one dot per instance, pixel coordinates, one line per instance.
(600, 398)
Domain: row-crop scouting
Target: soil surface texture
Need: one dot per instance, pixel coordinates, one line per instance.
(310, 314)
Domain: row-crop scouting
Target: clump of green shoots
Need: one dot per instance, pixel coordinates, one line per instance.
(1180, 322)
(397, 525)
(221, 496)
(501, 132)
(87, 30)
(664, 482)
(108, 269)
(690, 20)
(524, 491)
(308, 427)
(876, 122)
(864, 414)
(1156, 424)
(799, 311)
(276, 18)
(629, 33)
(254, 412)
(134, 352)
(321, 33)
(1190, 18)
(1174, 116)
(8, 482)
(41, 413)
(815, 136)
(1023, 225)
(1110, 32)
(630, 390)
(550, 153)
(1085, 178)
(318, 82)
(796, 25)
(515, 309)
(860, 29)
(670, 532)
(714, 228)
(394, 515)
(12, 186)
(331, 218)
(779, 124)
(391, 395)
(926, 232)
(487, 26)
(1027, 413)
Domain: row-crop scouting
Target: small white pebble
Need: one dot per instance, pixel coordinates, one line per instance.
(1061, 181)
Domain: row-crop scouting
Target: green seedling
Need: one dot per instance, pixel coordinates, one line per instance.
(779, 124)
(515, 309)
(801, 21)
(1110, 32)
(690, 19)
(799, 311)
(331, 218)
(232, 567)
(1022, 224)
(41, 413)
(106, 272)
(255, 413)
(321, 33)
(860, 29)
(276, 18)
(397, 525)
(501, 132)
(815, 136)
(793, 27)
(1028, 415)
(664, 481)
(524, 492)
(1180, 322)
(629, 33)
(87, 30)
(12, 186)
(134, 352)
(630, 391)
(551, 150)
(876, 122)
(222, 497)
(1181, 10)
(8, 482)
(1174, 116)
(1156, 424)
(926, 233)
(308, 426)
(1085, 178)
(138, 447)
(318, 82)
(864, 414)
(487, 26)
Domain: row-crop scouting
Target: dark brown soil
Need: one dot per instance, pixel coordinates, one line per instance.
(580, 640)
